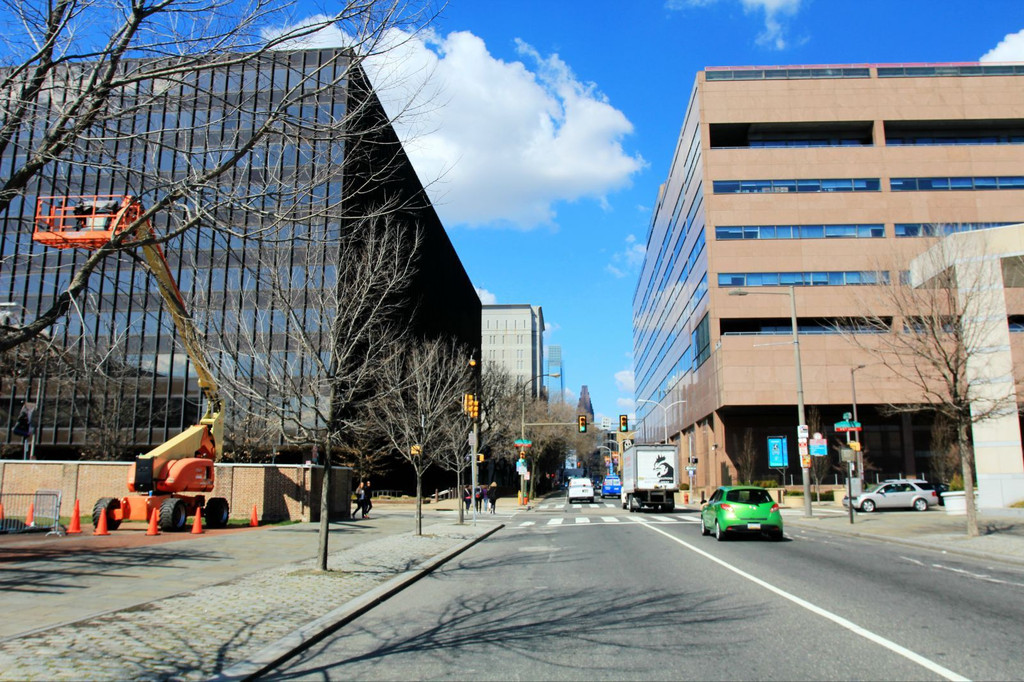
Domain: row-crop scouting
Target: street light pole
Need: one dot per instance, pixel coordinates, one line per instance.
(664, 415)
(805, 471)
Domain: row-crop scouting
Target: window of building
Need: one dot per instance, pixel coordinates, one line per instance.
(954, 132)
(796, 134)
(950, 70)
(853, 231)
(939, 229)
(701, 342)
(805, 185)
(810, 278)
(956, 183)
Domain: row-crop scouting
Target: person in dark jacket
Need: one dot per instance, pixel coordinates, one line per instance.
(492, 495)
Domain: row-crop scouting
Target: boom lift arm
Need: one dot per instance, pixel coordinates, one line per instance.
(183, 464)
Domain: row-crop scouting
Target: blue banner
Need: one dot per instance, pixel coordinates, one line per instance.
(778, 454)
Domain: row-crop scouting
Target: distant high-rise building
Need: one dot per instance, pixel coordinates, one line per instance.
(513, 337)
(555, 367)
(584, 406)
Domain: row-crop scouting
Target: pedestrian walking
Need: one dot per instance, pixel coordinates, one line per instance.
(479, 497)
(359, 499)
(367, 501)
(492, 496)
(466, 497)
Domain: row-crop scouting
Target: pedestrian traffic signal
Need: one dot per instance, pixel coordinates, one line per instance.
(480, 457)
(623, 423)
(582, 423)
(854, 445)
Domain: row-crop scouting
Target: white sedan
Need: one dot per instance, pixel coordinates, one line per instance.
(580, 489)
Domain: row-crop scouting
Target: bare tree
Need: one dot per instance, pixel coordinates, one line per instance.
(422, 396)
(746, 461)
(340, 321)
(454, 453)
(104, 94)
(935, 333)
(945, 460)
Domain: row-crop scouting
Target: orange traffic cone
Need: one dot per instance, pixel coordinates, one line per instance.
(76, 521)
(154, 519)
(101, 525)
(30, 518)
(254, 520)
(197, 525)
(1, 511)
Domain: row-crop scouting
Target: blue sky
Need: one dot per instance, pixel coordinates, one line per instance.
(544, 128)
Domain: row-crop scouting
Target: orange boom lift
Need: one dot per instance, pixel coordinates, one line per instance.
(162, 478)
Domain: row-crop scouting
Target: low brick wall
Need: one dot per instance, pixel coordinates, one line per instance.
(279, 492)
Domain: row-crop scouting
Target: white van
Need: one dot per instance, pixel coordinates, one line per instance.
(580, 489)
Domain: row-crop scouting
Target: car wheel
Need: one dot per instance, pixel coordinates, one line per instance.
(867, 506)
(777, 536)
(719, 533)
(703, 527)
(921, 504)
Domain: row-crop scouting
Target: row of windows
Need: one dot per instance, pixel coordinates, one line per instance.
(980, 139)
(801, 279)
(770, 186)
(797, 73)
(854, 231)
(956, 183)
(939, 229)
(786, 73)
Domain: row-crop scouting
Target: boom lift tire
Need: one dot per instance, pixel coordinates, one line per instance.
(216, 512)
(172, 515)
(105, 505)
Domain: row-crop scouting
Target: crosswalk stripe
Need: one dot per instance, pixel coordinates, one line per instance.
(526, 523)
(582, 519)
(555, 522)
(610, 519)
(661, 518)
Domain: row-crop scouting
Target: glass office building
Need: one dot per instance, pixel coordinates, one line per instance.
(114, 363)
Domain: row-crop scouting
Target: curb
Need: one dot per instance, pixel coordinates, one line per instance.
(918, 544)
(312, 632)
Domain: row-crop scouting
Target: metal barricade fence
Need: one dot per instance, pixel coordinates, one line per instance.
(45, 504)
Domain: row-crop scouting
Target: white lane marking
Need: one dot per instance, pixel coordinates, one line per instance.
(555, 522)
(595, 506)
(582, 519)
(610, 519)
(828, 615)
(977, 576)
(660, 518)
(526, 523)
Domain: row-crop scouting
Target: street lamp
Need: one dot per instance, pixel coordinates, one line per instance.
(665, 410)
(522, 422)
(805, 471)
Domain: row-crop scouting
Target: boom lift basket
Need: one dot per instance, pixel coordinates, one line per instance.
(84, 222)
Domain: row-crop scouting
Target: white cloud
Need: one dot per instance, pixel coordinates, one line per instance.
(1009, 49)
(628, 405)
(629, 260)
(774, 34)
(624, 381)
(495, 142)
(486, 297)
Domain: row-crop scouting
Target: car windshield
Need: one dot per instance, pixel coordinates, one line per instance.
(875, 488)
(749, 496)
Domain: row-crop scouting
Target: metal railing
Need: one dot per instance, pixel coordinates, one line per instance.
(23, 512)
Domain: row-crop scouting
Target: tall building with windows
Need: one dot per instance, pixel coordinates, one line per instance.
(809, 177)
(513, 338)
(257, 253)
(556, 373)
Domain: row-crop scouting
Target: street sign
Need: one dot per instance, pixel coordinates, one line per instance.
(847, 425)
(802, 431)
(801, 448)
(819, 447)
(691, 467)
(521, 467)
(523, 443)
(778, 454)
(847, 454)
(606, 423)
(805, 462)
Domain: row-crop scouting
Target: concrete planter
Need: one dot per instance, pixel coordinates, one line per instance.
(955, 502)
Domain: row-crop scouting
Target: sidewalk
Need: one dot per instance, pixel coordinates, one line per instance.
(1001, 535)
(199, 606)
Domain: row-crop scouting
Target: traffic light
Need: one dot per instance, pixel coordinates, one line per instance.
(582, 420)
(474, 411)
(470, 405)
(623, 423)
(854, 445)
(480, 457)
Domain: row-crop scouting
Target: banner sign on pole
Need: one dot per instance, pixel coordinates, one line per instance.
(778, 454)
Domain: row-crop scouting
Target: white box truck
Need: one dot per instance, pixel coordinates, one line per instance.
(650, 477)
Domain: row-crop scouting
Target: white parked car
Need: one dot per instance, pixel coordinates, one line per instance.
(580, 489)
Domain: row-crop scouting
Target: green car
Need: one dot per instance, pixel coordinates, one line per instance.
(733, 510)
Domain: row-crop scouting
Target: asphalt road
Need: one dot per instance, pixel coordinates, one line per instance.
(594, 592)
